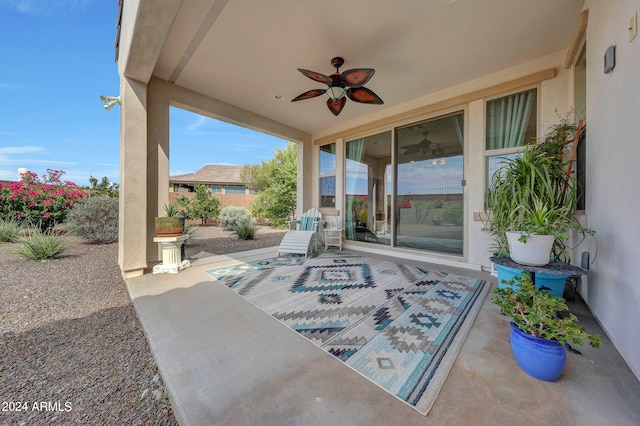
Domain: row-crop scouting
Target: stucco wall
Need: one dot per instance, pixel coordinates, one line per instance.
(555, 97)
(613, 146)
(226, 200)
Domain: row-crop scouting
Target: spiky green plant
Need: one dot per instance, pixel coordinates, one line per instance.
(245, 230)
(9, 230)
(171, 210)
(38, 245)
(535, 186)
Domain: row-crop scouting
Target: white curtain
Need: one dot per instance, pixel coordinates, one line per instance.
(355, 152)
(507, 120)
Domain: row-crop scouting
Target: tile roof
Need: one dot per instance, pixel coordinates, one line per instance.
(211, 173)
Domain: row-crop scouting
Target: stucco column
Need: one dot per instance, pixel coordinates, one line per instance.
(133, 178)
(157, 161)
(305, 163)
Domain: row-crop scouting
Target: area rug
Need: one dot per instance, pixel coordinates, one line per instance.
(400, 326)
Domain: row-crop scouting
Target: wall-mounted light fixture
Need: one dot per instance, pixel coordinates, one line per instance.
(109, 101)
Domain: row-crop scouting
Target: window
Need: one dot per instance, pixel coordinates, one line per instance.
(216, 189)
(511, 124)
(180, 187)
(235, 189)
(328, 175)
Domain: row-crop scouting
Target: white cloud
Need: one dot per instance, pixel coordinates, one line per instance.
(46, 8)
(9, 174)
(13, 150)
(26, 162)
(24, 156)
(199, 121)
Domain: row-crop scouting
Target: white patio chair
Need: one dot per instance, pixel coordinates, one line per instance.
(302, 233)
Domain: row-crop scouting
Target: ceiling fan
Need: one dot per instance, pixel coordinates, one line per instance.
(421, 146)
(347, 83)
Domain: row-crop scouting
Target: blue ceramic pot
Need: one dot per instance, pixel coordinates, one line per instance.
(540, 358)
(553, 283)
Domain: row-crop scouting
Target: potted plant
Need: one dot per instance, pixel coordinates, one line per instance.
(541, 326)
(170, 225)
(533, 194)
(539, 227)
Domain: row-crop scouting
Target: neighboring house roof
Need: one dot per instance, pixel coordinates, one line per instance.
(211, 173)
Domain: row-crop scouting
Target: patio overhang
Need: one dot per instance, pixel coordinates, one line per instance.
(234, 60)
(243, 52)
(228, 59)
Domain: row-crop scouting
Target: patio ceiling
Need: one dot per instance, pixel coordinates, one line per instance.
(244, 52)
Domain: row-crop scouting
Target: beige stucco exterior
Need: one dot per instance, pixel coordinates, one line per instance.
(145, 159)
(611, 289)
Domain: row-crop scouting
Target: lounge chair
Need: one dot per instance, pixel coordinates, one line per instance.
(302, 233)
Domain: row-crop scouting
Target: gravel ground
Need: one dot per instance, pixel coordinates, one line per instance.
(212, 240)
(72, 350)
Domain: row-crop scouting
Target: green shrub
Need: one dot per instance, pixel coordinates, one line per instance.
(202, 205)
(453, 214)
(9, 230)
(40, 245)
(245, 230)
(95, 219)
(231, 216)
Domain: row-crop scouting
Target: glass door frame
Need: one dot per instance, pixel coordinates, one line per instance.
(393, 216)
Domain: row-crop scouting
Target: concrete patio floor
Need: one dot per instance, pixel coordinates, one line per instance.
(225, 362)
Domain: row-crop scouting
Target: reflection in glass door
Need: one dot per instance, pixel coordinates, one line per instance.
(367, 189)
(429, 193)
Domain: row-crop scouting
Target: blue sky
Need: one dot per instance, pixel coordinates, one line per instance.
(57, 59)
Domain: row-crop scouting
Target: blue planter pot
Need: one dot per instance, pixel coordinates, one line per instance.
(540, 358)
(553, 283)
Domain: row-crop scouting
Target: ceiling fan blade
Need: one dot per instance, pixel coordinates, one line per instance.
(357, 77)
(411, 149)
(363, 95)
(316, 76)
(336, 106)
(309, 94)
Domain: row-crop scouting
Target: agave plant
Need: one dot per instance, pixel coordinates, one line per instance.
(542, 219)
(171, 210)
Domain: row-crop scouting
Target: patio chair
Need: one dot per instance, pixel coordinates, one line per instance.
(302, 233)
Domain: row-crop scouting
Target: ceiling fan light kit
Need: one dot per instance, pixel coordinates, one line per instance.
(341, 85)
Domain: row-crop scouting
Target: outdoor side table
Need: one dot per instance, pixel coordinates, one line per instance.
(172, 262)
(332, 238)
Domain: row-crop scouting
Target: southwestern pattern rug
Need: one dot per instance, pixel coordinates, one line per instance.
(400, 326)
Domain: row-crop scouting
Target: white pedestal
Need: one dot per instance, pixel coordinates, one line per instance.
(172, 262)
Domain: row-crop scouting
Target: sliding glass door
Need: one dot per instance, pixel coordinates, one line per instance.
(412, 199)
(429, 185)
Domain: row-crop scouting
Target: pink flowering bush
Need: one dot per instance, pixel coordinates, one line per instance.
(42, 202)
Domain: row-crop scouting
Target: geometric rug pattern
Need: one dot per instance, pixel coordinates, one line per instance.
(399, 326)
